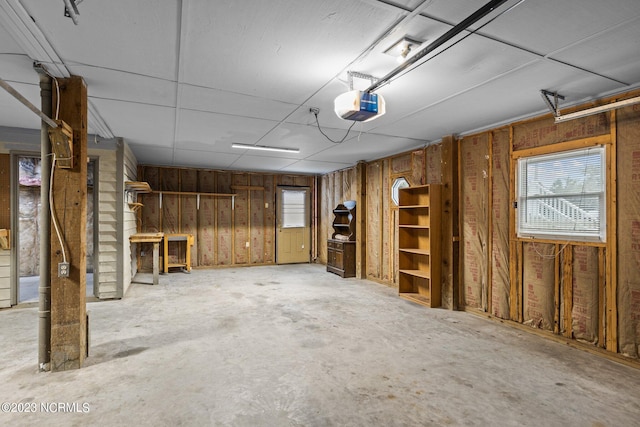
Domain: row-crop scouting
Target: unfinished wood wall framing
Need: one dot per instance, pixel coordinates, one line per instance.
(227, 231)
(372, 192)
(588, 292)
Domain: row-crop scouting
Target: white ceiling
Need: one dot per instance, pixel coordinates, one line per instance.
(181, 81)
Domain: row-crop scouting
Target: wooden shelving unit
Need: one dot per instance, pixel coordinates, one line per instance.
(419, 244)
(135, 188)
(341, 248)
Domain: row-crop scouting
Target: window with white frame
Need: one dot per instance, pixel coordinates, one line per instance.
(562, 195)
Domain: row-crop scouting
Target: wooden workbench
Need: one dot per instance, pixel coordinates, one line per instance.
(154, 238)
(188, 241)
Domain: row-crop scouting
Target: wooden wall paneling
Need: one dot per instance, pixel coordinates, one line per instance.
(189, 180)
(447, 174)
(286, 180)
(257, 219)
(374, 213)
(401, 166)
(325, 216)
(347, 187)
(241, 220)
(601, 297)
(611, 269)
(189, 210)
(361, 219)
(387, 224)
(515, 247)
(224, 221)
(269, 218)
(171, 209)
(337, 188)
(544, 131)
(434, 163)
(170, 181)
(418, 170)
(206, 219)
(490, 224)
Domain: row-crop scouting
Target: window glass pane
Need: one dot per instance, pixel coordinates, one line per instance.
(293, 208)
(562, 195)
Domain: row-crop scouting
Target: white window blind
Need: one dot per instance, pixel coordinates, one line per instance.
(562, 195)
(293, 209)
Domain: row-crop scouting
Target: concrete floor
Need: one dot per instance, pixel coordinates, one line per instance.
(296, 346)
(29, 288)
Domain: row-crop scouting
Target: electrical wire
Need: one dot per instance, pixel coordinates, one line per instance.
(55, 80)
(548, 256)
(327, 136)
(53, 214)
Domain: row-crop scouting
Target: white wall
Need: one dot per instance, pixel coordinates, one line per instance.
(106, 248)
(129, 225)
(5, 278)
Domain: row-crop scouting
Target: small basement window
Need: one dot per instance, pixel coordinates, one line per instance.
(562, 195)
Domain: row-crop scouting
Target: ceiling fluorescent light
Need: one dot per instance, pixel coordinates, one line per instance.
(595, 110)
(265, 148)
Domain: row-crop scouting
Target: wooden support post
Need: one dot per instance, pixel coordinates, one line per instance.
(156, 262)
(361, 220)
(490, 219)
(515, 247)
(68, 294)
(557, 299)
(450, 217)
(611, 260)
(601, 297)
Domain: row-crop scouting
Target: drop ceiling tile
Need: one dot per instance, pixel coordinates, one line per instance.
(214, 128)
(613, 54)
(252, 51)
(117, 85)
(13, 113)
(510, 100)
(263, 162)
(366, 147)
(315, 167)
(235, 104)
(139, 36)
(146, 155)
(548, 25)
(139, 123)
(204, 159)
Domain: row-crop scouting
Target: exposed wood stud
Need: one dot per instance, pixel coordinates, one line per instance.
(567, 291)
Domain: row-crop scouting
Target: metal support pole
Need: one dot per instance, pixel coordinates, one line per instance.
(44, 289)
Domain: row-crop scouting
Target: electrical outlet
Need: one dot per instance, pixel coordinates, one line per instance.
(247, 244)
(314, 110)
(63, 269)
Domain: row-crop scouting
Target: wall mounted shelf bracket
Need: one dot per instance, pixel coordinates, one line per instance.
(553, 106)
